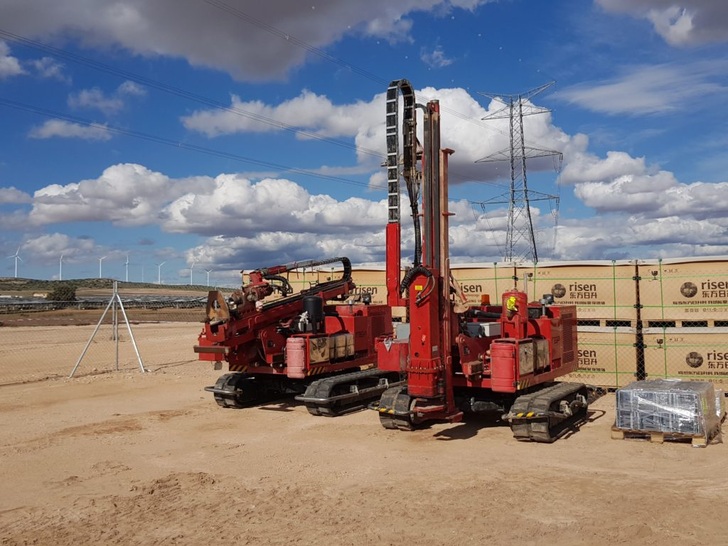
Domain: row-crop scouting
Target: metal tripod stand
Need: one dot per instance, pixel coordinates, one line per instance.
(114, 302)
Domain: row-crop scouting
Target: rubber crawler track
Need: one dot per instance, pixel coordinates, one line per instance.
(537, 417)
(345, 393)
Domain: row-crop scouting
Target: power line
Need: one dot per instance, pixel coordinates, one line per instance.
(178, 91)
(174, 90)
(201, 99)
(161, 86)
(177, 143)
(455, 175)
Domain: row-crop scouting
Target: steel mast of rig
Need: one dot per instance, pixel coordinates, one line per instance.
(520, 223)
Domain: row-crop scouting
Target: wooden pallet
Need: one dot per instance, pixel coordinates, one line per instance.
(656, 437)
(685, 323)
(606, 323)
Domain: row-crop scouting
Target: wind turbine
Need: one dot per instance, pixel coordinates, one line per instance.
(126, 265)
(101, 260)
(191, 267)
(208, 271)
(159, 272)
(17, 257)
(60, 268)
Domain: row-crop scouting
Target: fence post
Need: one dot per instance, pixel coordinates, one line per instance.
(639, 336)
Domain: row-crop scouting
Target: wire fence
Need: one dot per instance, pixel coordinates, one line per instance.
(636, 320)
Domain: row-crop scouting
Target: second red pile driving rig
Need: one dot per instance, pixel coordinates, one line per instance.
(459, 358)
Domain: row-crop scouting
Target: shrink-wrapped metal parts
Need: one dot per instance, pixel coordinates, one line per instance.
(670, 406)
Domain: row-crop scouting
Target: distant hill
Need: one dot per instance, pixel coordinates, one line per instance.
(18, 286)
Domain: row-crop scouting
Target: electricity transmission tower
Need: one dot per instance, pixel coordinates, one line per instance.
(520, 239)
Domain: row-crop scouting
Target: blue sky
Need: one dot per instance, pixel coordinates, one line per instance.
(231, 134)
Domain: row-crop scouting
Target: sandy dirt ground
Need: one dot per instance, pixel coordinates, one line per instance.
(149, 458)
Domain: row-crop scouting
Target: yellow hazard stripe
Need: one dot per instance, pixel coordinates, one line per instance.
(523, 384)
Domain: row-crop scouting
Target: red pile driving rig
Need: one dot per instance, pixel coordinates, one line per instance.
(282, 346)
(456, 357)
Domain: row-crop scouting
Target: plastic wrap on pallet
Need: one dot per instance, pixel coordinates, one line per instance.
(666, 405)
(720, 403)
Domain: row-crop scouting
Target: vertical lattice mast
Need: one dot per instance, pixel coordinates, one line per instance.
(520, 238)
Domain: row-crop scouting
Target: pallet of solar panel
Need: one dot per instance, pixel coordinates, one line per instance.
(667, 410)
(698, 354)
(690, 292)
(606, 357)
(603, 291)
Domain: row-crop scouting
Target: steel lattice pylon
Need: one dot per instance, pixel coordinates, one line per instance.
(520, 239)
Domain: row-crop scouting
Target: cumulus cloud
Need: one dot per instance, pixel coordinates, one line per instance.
(47, 67)
(620, 183)
(642, 211)
(313, 113)
(435, 58)
(125, 194)
(679, 23)
(281, 247)
(12, 195)
(227, 206)
(654, 89)
(472, 238)
(250, 47)
(629, 236)
(237, 205)
(584, 167)
(131, 88)
(365, 245)
(96, 99)
(13, 220)
(57, 128)
(257, 219)
(655, 196)
(47, 248)
(9, 65)
(246, 221)
(310, 115)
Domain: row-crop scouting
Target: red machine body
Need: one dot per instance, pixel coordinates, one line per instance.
(457, 357)
(506, 354)
(280, 346)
